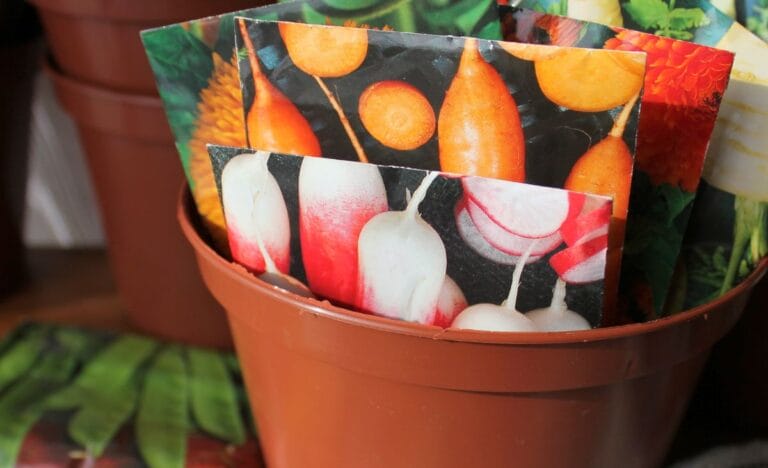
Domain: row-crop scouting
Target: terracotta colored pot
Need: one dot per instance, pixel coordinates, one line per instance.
(136, 173)
(335, 388)
(735, 382)
(98, 40)
(16, 90)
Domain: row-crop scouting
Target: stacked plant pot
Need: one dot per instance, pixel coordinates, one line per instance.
(19, 47)
(103, 80)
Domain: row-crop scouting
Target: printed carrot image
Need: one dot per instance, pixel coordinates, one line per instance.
(479, 130)
(273, 121)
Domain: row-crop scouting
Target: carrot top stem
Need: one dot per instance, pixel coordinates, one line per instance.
(621, 122)
(344, 120)
(254, 62)
(418, 196)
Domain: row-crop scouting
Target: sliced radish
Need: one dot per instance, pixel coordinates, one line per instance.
(525, 210)
(401, 263)
(472, 237)
(587, 225)
(504, 240)
(336, 199)
(450, 303)
(255, 212)
(582, 263)
(557, 317)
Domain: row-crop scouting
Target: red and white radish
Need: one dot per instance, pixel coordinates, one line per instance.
(582, 263)
(504, 317)
(509, 243)
(336, 199)
(401, 263)
(255, 212)
(557, 317)
(450, 303)
(525, 210)
(472, 237)
(587, 225)
(257, 221)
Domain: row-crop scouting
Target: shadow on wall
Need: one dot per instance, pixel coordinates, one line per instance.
(60, 205)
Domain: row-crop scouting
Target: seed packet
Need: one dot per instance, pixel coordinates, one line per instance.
(460, 105)
(422, 246)
(726, 236)
(684, 85)
(754, 15)
(197, 77)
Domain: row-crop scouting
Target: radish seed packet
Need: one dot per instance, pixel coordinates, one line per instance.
(194, 65)
(684, 86)
(544, 115)
(416, 245)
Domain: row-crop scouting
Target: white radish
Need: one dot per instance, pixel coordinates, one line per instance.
(557, 317)
(472, 237)
(507, 242)
(493, 317)
(255, 212)
(401, 263)
(582, 263)
(249, 191)
(336, 199)
(525, 210)
(450, 303)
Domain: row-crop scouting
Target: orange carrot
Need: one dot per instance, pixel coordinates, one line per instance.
(327, 52)
(273, 122)
(397, 114)
(606, 168)
(479, 130)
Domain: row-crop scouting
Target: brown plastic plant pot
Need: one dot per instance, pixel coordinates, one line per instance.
(136, 173)
(98, 40)
(16, 91)
(330, 387)
(735, 382)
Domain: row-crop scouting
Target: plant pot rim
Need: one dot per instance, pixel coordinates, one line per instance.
(168, 11)
(325, 309)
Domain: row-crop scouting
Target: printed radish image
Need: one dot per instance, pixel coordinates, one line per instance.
(557, 317)
(582, 263)
(402, 263)
(474, 239)
(257, 218)
(450, 303)
(336, 199)
(358, 237)
(524, 210)
(590, 223)
(478, 128)
(273, 122)
(504, 317)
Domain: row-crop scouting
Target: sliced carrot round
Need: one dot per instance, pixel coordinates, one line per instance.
(590, 81)
(397, 115)
(325, 51)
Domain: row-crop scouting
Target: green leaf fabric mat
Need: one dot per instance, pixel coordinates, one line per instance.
(68, 394)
